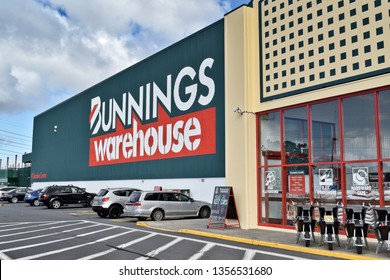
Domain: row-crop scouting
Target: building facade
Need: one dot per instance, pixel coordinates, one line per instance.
(285, 101)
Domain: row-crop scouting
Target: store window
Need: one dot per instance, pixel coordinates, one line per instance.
(298, 189)
(359, 127)
(296, 136)
(270, 152)
(384, 122)
(326, 181)
(362, 183)
(325, 132)
(296, 148)
(271, 193)
(386, 182)
(270, 177)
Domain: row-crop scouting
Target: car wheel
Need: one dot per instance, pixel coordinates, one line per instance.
(115, 212)
(89, 203)
(56, 204)
(36, 202)
(14, 199)
(157, 215)
(204, 212)
(102, 214)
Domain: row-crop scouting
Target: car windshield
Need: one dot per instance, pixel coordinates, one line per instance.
(37, 191)
(134, 197)
(45, 190)
(102, 192)
(20, 190)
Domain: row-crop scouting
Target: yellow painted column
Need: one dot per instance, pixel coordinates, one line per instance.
(242, 91)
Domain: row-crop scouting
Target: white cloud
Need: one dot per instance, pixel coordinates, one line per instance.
(52, 49)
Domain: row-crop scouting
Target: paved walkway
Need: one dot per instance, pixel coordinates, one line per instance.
(269, 237)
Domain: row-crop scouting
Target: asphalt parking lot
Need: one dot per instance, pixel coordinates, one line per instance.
(30, 228)
(79, 234)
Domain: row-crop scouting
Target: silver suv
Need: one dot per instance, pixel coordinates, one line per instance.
(158, 205)
(111, 201)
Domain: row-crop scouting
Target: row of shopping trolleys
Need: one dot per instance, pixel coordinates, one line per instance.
(357, 221)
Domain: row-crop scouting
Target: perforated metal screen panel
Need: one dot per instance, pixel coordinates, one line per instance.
(307, 45)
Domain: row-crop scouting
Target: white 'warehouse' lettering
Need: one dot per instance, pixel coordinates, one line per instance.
(104, 114)
(177, 136)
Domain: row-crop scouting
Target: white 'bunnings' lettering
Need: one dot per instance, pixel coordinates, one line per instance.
(104, 114)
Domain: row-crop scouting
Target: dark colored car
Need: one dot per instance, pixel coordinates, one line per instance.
(57, 196)
(14, 195)
(32, 197)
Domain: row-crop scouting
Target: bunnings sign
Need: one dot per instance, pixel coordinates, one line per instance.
(125, 135)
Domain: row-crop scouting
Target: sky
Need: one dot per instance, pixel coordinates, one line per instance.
(51, 50)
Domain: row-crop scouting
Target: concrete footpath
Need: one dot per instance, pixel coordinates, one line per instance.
(269, 237)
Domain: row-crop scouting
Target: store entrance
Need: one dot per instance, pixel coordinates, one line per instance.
(322, 153)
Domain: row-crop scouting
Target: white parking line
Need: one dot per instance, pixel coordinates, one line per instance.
(49, 234)
(249, 255)
(161, 249)
(94, 256)
(49, 242)
(2, 225)
(100, 230)
(38, 230)
(212, 244)
(202, 251)
(35, 225)
(73, 247)
(4, 257)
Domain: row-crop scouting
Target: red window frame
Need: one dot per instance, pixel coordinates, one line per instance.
(341, 162)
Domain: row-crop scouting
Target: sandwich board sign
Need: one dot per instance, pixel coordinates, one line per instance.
(223, 209)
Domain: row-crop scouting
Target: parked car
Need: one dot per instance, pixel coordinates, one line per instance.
(159, 205)
(15, 195)
(32, 197)
(111, 201)
(6, 189)
(57, 196)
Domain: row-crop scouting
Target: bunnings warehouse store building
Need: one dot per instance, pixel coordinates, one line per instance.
(284, 100)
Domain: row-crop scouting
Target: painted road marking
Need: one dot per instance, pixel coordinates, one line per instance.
(122, 246)
(249, 255)
(46, 235)
(201, 252)
(155, 252)
(39, 230)
(32, 226)
(72, 247)
(208, 246)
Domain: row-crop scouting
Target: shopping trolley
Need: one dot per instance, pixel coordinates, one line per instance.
(329, 224)
(382, 227)
(355, 227)
(305, 223)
